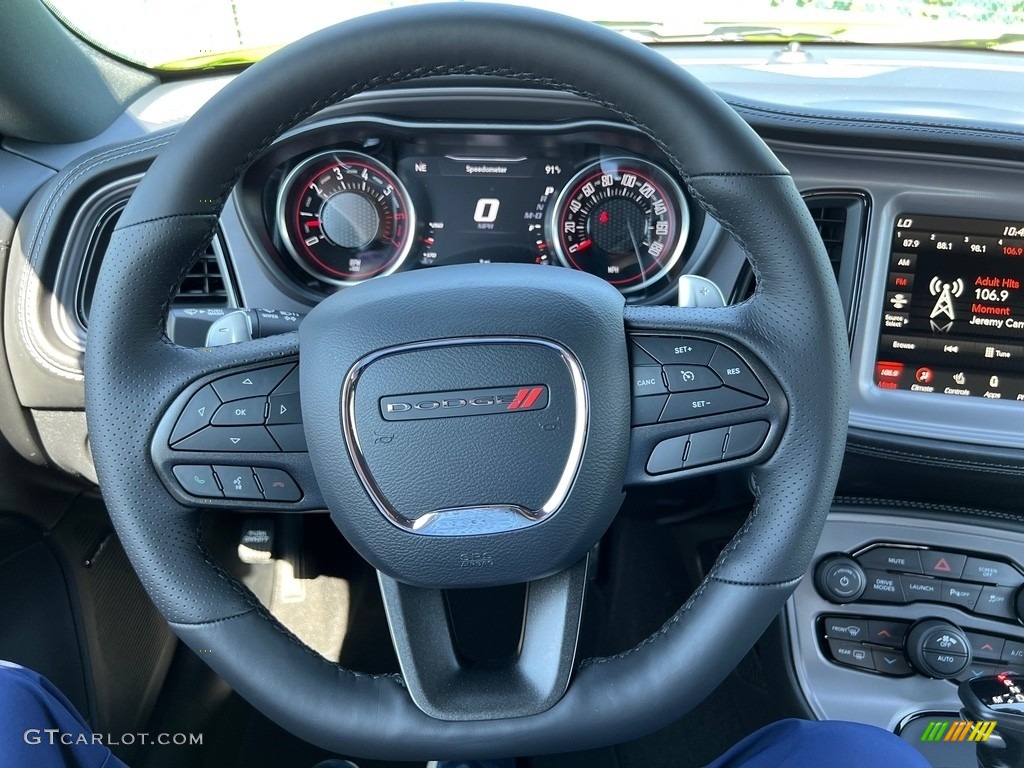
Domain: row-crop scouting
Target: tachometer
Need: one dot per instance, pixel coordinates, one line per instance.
(345, 217)
(622, 219)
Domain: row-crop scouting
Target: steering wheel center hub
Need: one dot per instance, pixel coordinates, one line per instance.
(454, 419)
(466, 436)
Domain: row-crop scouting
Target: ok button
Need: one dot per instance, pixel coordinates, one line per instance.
(241, 412)
(647, 380)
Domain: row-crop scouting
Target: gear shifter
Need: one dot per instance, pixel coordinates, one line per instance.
(999, 698)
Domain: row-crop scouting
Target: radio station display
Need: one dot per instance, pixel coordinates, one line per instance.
(953, 318)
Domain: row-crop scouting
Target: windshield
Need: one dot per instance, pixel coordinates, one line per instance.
(193, 34)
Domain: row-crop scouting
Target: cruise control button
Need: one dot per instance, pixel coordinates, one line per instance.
(919, 588)
(745, 439)
(985, 647)
(238, 483)
(961, 594)
(285, 409)
(842, 628)
(277, 484)
(251, 383)
(669, 350)
(705, 447)
(241, 412)
(892, 559)
(891, 663)
(707, 402)
(647, 380)
(229, 439)
(667, 456)
(996, 602)
(197, 480)
(646, 410)
(883, 587)
(885, 632)
(736, 373)
(992, 572)
(851, 654)
(945, 564)
(687, 378)
(197, 414)
(291, 437)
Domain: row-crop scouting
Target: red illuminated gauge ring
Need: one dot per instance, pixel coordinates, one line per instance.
(638, 188)
(370, 218)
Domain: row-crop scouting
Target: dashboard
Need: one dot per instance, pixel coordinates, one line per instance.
(349, 200)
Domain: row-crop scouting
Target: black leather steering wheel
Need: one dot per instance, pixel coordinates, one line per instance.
(417, 505)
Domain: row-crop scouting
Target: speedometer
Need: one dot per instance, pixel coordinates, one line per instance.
(622, 219)
(345, 217)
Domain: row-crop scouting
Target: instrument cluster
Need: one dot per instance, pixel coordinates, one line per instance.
(353, 200)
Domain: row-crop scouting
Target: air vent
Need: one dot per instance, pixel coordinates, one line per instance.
(205, 285)
(831, 223)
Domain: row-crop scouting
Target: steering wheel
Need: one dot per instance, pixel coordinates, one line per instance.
(470, 426)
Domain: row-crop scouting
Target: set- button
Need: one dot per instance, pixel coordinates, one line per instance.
(254, 411)
(678, 378)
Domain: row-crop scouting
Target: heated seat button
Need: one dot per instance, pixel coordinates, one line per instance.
(745, 439)
(285, 409)
(892, 559)
(197, 414)
(667, 456)
(669, 350)
(254, 383)
(687, 378)
(705, 447)
(992, 572)
(197, 480)
(736, 373)
(647, 380)
(851, 654)
(229, 439)
(241, 412)
(238, 483)
(707, 402)
(277, 484)
(646, 410)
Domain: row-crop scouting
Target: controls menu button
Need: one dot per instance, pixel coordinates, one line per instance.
(892, 559)
(883, 587)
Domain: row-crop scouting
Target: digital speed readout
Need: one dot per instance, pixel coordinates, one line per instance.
(953, 318)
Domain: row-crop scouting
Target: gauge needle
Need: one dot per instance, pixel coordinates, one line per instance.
(636, 246)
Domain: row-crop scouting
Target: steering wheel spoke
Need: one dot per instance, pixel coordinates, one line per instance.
(702, 402)
(233, 437)
(447, 685)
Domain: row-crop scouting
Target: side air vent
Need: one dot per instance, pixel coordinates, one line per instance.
(205, 285)
(841, 219)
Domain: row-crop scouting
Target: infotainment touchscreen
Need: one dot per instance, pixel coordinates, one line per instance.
(953, 318)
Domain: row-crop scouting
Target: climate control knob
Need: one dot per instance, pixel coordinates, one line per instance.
(938, 649)
(840, 579)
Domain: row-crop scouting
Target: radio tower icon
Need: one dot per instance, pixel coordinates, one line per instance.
(944, 303)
